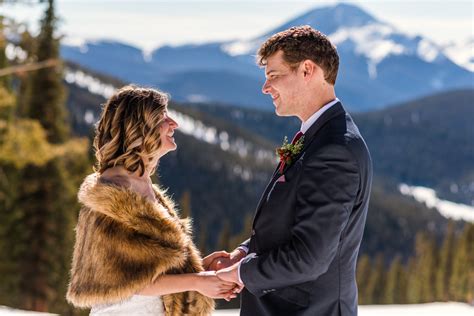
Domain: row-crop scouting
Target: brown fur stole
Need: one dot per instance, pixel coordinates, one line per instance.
(124, 242)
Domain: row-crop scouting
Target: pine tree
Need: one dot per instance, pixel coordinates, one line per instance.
(8, 180)
(395, 288)
(47, 95)
(469, 243)
(38, 183)
(430, 263)
(46, 192)
(185, 204)
(403, 285)
(412, 293)
(202, 239)
(27, 44)
(364, 270)
(376, 282)
(7, 99)
(422, 277)
(224, 236)
(462, 280)
(445, 264)
(244, 234)
(5, 80)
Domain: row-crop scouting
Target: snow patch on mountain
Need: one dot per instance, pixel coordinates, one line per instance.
(85, 81)
(241, 47)
(76, 42)
(372, 41)
(428, 51)
(447, 209)
(462, 53)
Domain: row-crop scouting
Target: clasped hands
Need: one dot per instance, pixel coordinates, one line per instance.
(222, 273)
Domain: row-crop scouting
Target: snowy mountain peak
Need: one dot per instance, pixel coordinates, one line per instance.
(353, 30)
(329, 19)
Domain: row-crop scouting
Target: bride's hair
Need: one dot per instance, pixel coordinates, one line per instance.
(127, 132)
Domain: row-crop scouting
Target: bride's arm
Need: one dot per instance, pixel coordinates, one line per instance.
(206, 283)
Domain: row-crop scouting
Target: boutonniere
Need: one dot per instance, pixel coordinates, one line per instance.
(288, 151)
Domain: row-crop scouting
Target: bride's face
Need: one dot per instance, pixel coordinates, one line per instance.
(167, 127)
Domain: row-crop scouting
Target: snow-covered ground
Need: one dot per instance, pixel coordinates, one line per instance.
(7, 311)
(431, 309)
(448, 209)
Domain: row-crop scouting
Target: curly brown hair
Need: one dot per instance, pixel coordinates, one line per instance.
(127, 132)
(300, 43)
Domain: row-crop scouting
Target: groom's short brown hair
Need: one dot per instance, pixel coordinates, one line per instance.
(301, 43)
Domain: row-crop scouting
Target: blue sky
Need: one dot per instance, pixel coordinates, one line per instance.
(149, 24)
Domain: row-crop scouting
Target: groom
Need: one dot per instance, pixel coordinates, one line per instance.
(301, 256)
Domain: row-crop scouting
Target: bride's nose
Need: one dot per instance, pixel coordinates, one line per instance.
(173, 123)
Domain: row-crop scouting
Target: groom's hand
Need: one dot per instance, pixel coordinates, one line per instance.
(231, 274)
(209, 261)
(222, 262)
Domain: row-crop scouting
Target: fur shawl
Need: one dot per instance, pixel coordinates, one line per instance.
(124, 242)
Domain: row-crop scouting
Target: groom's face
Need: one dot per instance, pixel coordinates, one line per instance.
(283, 84)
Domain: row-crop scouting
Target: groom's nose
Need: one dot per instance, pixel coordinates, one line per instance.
(266, 88)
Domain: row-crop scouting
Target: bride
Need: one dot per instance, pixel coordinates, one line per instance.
(133, 255)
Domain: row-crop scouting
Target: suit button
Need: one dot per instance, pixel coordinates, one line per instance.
(253, 232)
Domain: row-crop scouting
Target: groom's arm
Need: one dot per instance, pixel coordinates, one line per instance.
(325, 195)
(244, 246)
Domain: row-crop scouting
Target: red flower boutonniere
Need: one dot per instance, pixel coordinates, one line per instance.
(288, 151)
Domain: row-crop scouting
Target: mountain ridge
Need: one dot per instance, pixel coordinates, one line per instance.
(379, 65)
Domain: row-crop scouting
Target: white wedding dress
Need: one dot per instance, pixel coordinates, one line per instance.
(137, 305)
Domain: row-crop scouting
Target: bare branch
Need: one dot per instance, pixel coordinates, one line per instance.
(29, 67)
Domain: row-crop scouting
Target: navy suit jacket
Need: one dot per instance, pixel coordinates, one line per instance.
(307, 230)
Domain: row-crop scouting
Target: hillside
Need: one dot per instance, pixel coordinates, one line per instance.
(428, 141)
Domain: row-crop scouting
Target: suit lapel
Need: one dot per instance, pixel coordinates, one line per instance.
(309, 136)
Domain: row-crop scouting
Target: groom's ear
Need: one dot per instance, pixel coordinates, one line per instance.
(309, 68)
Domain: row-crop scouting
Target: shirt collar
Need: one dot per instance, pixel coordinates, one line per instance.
(312, 119)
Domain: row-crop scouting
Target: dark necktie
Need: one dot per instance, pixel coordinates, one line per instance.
(296, 137)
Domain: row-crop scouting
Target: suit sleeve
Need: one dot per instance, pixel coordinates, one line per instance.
(245, 245)
(326, 193)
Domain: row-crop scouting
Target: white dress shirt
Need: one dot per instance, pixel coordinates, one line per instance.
(304, 128)
(313, 118)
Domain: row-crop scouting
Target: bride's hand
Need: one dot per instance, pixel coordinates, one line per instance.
(207, 283)
(209, 263)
